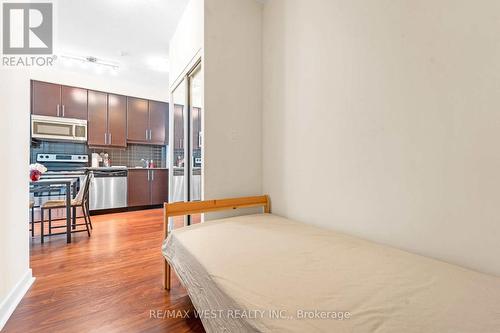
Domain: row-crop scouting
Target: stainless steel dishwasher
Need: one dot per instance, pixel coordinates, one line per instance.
(108, 189)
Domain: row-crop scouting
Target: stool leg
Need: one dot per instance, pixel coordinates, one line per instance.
(41, 225)
(50, 221)
(88, 214)
(74, 217)
(33, 222)
(86, 221)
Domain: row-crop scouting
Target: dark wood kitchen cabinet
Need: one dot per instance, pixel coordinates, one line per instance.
(158, 122)
(138, 189)
(55, 100)
(178, 127)
(147, 187)
(159, 186)
(137, 120)
(147, 121)
(107, 119)
(97, 118)
(46, 99)
(196, 115)
(74, 102)
(117, 120)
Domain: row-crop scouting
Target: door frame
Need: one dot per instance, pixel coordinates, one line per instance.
(184, 79)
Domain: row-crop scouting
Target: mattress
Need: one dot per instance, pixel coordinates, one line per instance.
(264, 273)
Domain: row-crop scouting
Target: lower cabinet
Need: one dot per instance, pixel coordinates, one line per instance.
(159, 186)
(147, 187)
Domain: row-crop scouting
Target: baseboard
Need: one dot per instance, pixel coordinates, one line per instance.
(15, 296)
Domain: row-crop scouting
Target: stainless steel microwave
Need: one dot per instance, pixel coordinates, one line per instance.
(57, 128)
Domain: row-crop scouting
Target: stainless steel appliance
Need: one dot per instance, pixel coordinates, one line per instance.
(56, 128)
(108, 189)
(62, 158)
(60, 166)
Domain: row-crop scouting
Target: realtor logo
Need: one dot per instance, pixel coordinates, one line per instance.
(27, 28)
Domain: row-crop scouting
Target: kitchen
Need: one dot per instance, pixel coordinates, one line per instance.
(123, 140)
(103, 107)
(109, 131)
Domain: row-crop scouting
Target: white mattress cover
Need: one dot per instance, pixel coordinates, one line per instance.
(263, 262)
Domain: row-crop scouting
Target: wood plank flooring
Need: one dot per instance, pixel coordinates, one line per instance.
(106, 283)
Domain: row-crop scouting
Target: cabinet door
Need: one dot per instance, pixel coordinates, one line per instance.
(97, 118)
(137, 119)
(74, 102)
(178, 124)
(158, 122)
(117, 120)
(196, 115)
(159, 186)
(139, 189)
(46, 99)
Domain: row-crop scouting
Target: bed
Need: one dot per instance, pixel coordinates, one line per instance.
(265, 273)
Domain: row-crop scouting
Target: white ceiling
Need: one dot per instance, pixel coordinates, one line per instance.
(132, 33)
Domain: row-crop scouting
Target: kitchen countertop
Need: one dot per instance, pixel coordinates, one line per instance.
(111, 168)
(132, 168)
(115, 168)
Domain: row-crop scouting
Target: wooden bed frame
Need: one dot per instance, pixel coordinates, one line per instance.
(199, 207)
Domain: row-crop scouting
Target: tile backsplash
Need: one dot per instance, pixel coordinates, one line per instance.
(49, 147)
(130, 156)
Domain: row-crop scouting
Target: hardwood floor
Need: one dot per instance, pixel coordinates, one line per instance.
(109, 282)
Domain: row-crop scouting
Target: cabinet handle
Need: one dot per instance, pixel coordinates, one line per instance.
(58, 109)
(110, 138)
(105, 139)
(152, 175)
(150, 134)
(63, 110)
(148, 177)
(146, 135)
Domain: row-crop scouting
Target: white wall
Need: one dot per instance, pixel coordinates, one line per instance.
(187, 41)
(233, 103)
(381, 119)
(229, 43)
(15, 274)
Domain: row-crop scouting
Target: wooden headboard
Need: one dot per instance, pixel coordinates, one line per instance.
(207, 206)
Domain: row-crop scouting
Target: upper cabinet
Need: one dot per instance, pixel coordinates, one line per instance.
(46, 99)
(54, 100)
(138, 120)
(107, 119)
(147, 121)
(98, 118)
(73, 102)
(117, 120)
(158, 122)
(178, 127)
(113, 120)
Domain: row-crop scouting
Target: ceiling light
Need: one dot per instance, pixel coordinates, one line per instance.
(89, 60)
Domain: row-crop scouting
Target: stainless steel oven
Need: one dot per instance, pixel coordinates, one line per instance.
(60, 166)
